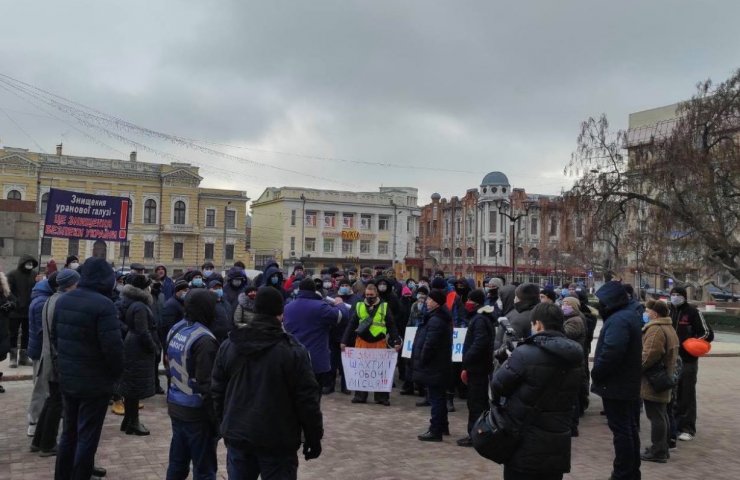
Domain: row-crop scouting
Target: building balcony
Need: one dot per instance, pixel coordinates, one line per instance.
(179, 229)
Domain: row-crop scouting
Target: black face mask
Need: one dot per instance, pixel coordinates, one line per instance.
(603, 310)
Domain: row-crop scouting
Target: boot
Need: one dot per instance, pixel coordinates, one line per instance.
(23, 358)
(13, 358)
(118, 408)
(450, 403)
(136, 428)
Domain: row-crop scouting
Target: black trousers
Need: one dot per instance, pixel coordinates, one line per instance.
(47, 426)
(477, 397)
(623, 417)
(131, 414)
(19, 326)
(510, 474)
(685, 410)
(83, 423)
(336, 367)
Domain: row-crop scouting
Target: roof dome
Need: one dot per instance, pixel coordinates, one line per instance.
(436, 196)
(495, 178)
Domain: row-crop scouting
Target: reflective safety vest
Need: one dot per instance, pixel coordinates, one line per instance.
(377, 327)
(181, 339)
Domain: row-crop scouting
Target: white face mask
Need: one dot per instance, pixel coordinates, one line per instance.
(29, 266)
(74, 265)
(382, 288)
(327, 284)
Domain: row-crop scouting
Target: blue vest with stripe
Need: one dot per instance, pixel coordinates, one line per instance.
(183, 386)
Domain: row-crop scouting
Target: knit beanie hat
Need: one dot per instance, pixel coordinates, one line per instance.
(477, 296)
(180, 285)
(307, 284)
(438, 296)
(495, 282)
(200, 306)
(66, 278)
(439, 283)
(573, 302)
(137, 280)
(269, 301)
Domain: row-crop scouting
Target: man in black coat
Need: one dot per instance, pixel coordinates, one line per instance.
(21, 281)
(87, 338)
(616, 376)
(265, 394)
(432, 359)
(538, 385)
(477, 359)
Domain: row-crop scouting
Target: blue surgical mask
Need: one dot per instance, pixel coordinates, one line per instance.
(412, 285)
(197, 282)
(219, 292)
(207, 273)
(645, 317)
(274, 280)
(344, 291)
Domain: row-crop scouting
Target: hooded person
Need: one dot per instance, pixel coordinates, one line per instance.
(168, 285)
(7, 305)
(261, 279)
(263, 367)
(191, 351)
(224, 321)
(72, 262)
(234, 284)
(21, 282)
(272, 276)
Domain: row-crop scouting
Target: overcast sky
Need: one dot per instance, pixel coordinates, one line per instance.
(469, 86)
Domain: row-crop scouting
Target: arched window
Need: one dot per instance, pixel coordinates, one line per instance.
(458, 252)
(44, 203)
(179, 213)
(470, 253)
(14, 195)
(150, 211)
(446, 253)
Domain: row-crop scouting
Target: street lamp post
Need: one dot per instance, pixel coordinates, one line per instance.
(502, 206)
(303, 225)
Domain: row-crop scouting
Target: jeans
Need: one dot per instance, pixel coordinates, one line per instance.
(196, 442)
(622, 417)
(477, 397)
(437, 396)
(243, 464)
(685, 410)
(510, 474)
(83, 422)
(47, 426)
(658, 416)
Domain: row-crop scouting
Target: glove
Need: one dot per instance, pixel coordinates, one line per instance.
(464, 376)
(311, 450)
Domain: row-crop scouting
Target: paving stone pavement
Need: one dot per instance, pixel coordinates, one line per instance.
(376, 442)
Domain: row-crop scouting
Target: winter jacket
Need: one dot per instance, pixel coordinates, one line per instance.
(659, 345)
(310, 319)
(431, 354)
(141, 346)
(7, 305)
(478, 345)
(575, 328)
(353, 324)
(688, 324)
(617, 361)
(507, 294)
(540, 383)
(168, 285)
(223, 323)
(87, 336)
(231, 292)
(47, 370)
(264, 390)
(589, 315)
(263, 279)
(172, 312)
(244, 311)
(415, 315)
(21, 282)
(40, 294)
(520, 318)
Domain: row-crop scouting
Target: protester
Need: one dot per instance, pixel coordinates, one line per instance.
(659, 349)
(265, 396)
(310, 319)
(21, 282)
(335, 338)
(209, 272)
(432, 360)
(366, 274)
(245, 309)
(87, 339)
(191, 352)
(688, 323)
(41, 292)
(223, 323)
(294, 279)
(195, 279)
(158, 302)
(7, 305)
(539, 383)
(477, 358)
(616, 376)
(168, 285)
(173, 311)
(235, 283)
(138, 268)
(574, 327)
(72, 262)
(416, 313)
(371, 325)
(141, 347)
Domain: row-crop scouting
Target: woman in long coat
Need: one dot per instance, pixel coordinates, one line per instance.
(140, 348)
(7, 305)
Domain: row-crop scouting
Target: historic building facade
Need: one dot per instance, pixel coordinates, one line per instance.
(172, 220)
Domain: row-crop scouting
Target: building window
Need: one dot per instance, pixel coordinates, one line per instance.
(210, 217)
(123, 250)
(492, 221)
(348, 220)
(347, 246)
(579, 227)
(470, 252)
(533, 226)
(44, 203)
(457, 228)
(382, 248)
(73, 247)
(364, 246)
(208, 254)
(310, 244)
(14, 195)
(408, 224)
(179, 218)
(177, 252)
(458, 252)
(447, 227)
(366, 222)
(470, 224)
(292, 245)
(330, 220)
(384, 222)
(328, 245)
(148, 249)
(292, 218)
(230, 252)
(434, 227)
(553, 226)
(150, 211)
(230, 219)
(492, 249)
(501, 223)
(310, 218)
(421, 229)
(46, 246)
(446, 253)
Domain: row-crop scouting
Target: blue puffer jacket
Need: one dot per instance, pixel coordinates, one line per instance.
(618, 358)
(87, 335)
(39, 295)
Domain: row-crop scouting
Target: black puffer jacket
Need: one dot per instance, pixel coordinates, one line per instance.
(264, 390)
(432, 351)
(87, 336)
(7, 305)
(21, 283)
(172, 312)
(545, 368)
(478, 346)
(141, 345)
(224, 321)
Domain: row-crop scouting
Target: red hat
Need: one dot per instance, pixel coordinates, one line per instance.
(697, 347)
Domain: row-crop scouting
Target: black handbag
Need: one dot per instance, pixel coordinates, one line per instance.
(658, 378)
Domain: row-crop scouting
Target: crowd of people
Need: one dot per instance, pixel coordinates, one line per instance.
(248, 359)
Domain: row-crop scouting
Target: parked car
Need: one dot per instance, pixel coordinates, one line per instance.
(723, 295)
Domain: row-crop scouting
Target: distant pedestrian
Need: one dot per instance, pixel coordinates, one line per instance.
(7, 305)
(245, 309)
(42, 291)
(223, 323)
(265, 396)
(21, 282)
(168, 285)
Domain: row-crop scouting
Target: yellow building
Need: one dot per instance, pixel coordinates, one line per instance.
(173, 221)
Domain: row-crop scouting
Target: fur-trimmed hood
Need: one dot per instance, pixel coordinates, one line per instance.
(136, 294)
(4, 287)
